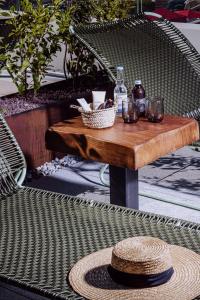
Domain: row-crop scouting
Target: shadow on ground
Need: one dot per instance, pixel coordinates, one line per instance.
(176, 171)
(59, 185)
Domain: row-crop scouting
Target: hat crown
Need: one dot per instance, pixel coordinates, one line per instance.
(141, 255)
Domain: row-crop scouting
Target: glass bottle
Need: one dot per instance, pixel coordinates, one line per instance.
(138, 94)
(120, 91)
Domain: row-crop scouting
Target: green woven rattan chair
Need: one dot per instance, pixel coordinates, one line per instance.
(42, 234)
(154, 51)
(12, 152)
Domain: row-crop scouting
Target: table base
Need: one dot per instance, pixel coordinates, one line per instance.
(124, 187)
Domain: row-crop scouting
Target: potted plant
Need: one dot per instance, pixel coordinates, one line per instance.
(37, 33)
(33, 41)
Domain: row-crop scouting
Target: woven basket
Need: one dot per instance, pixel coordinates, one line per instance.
(102, 118)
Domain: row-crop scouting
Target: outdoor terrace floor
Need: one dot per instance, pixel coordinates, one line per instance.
(175, 177)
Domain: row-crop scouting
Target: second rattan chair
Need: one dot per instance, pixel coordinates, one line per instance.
(152, 50)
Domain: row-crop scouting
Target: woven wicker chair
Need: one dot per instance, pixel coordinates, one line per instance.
(16, 164)
(42, 234)
(154, 51)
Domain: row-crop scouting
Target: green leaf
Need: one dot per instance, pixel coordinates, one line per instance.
(25, 65)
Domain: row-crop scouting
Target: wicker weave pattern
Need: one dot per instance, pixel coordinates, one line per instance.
(7, 181)
(99, 118)
(10, 150)
(156, 52)
(43, 234)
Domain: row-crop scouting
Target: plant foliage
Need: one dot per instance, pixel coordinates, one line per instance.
(113, 9)
(2, 12)
(36, 39)
(81, 61)
(38, 31)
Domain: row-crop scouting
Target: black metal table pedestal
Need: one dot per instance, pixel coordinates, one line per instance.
(124, 187)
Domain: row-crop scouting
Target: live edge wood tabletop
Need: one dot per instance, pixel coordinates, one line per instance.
(130, 146)
(125, 147)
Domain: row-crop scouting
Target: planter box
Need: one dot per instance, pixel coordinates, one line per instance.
(29, 129)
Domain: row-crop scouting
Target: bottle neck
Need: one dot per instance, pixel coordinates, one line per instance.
(120, 77)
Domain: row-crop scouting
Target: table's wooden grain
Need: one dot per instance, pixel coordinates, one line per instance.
(124, 145)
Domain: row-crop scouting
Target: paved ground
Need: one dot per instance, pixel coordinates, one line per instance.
(174, 178)
(7, 86)
(179, 171)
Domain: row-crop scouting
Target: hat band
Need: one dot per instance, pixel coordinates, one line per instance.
(138, 280)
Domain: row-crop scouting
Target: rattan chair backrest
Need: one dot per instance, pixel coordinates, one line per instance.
(12, 162)
(154, 51)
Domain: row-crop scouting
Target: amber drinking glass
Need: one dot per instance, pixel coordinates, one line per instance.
(130, 112)
(155, 109)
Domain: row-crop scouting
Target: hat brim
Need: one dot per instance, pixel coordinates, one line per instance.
(89, 278)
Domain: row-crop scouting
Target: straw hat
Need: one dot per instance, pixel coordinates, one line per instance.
(138, 268)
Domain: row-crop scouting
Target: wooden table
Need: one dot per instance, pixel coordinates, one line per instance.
(125, 147)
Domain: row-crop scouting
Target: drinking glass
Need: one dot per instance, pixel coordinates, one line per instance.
(155, 109)
(130, 112)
